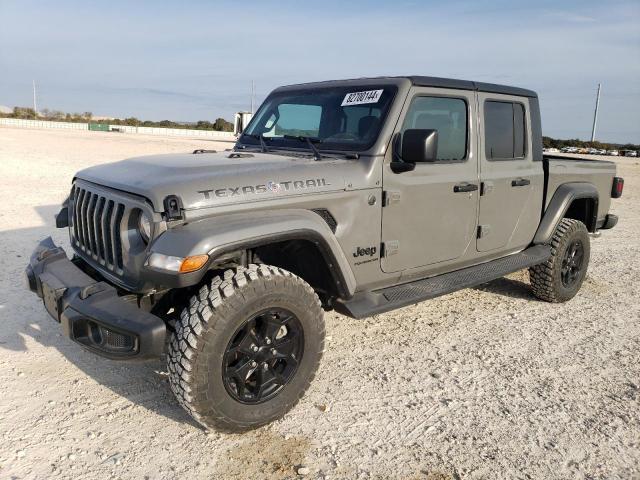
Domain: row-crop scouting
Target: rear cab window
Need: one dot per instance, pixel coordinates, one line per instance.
(505, 133)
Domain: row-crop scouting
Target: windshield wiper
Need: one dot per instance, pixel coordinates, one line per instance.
(259, 136)
(310, 141)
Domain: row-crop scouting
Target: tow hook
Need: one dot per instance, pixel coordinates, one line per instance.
(92, 289)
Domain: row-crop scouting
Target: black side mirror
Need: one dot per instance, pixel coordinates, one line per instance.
(401, 167)
(397, 164)
(419, 145)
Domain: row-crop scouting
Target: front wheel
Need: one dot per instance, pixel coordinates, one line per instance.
(559, 278)
(246, 348)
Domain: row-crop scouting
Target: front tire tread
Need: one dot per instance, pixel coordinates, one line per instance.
(188, 341)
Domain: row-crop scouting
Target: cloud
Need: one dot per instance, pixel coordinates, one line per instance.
(197, 61)
(570, 17)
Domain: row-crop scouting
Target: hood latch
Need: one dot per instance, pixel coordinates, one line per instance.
(173, 207)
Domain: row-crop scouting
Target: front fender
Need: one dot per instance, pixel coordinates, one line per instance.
(217, 236)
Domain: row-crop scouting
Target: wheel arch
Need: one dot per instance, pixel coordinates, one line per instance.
(303, 252)
(576, 200)
(242, 238)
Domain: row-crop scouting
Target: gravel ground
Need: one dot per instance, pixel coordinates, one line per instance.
(483, 383)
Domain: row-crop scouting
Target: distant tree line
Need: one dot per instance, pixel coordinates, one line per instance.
(549, 142)
(46, 114)
(220, 124)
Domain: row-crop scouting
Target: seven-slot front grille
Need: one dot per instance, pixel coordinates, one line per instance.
(96, 227)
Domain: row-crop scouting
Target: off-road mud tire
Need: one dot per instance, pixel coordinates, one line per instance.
(546, 278)
(207, 325)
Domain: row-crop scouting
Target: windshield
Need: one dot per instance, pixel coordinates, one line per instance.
(337, 118)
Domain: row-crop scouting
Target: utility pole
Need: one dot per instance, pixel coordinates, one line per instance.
(253, 94)
(595, 116)
(35, 106)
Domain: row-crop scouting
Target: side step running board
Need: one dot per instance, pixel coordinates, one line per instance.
(365, 304)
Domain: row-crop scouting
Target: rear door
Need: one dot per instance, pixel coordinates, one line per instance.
(512, 183)
(430, 213)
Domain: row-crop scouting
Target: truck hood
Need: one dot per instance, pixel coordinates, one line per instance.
(212, 179)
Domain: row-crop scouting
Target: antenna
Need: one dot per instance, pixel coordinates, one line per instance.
(595, 116)
(35, 106)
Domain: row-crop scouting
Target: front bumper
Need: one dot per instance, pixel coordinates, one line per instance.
(90, 312)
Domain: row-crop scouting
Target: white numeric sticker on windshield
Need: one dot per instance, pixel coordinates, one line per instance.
(358, 98)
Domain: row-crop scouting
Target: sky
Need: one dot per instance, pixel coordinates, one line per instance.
(189, 61)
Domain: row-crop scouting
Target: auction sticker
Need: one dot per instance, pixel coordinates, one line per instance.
(359, 98)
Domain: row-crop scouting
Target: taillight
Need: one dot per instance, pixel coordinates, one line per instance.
(616, 189)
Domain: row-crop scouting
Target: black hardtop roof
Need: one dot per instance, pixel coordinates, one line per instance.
(422, 81)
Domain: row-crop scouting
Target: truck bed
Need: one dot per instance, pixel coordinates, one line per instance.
(559, 170)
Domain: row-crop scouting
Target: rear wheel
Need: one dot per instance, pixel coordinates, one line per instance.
(559, 278)
(246, 348)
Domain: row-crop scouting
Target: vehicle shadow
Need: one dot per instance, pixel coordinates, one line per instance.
(508, 287)
(24, 321)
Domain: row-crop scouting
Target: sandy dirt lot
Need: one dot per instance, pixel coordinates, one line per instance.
(483, 383)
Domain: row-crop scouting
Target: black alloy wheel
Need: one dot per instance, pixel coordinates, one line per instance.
(572, 263)
(263, 356)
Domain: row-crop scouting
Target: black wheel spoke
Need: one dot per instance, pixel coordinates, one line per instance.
(241, 387)
(253, 336)
(245, 344)
(272, 326)
(265, 380)
(290, 360)
(287, 345)
(242, 370)
(279, 379)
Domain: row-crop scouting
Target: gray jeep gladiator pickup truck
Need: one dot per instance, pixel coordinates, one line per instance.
(361, 196)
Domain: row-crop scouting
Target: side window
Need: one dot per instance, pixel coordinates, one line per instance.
(295, 119)
(504, 130)
(446, 115)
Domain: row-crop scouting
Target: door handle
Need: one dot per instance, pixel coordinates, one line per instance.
(465, 187)
(520, 182)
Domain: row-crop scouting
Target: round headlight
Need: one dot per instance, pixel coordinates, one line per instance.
(144, 226)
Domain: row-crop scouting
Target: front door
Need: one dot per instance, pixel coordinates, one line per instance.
(512, 182)
(430, 213)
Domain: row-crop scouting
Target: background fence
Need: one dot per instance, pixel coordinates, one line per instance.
(16, 122)
(169, 132)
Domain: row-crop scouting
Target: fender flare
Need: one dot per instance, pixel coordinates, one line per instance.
(562, 199)
(218, 236)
